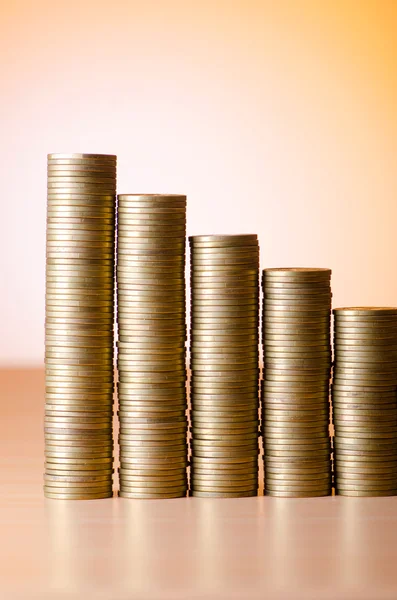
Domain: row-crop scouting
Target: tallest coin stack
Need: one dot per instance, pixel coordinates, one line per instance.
(79, 326)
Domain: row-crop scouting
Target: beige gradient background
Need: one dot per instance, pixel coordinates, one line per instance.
(276, 116)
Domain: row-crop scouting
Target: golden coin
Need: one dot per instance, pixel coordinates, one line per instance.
(291, 417)
(148, 217)
(366, 493)
(358, 468)
(226, 452)
(248, 279)
(216, 477)
(139, 481)
(77, 470)
(142, 457)
(199, 487)
(81, 164)
(91, 203)
(252, 249)
(219, 358)
(366, 311)
(365, 486)
(65, 255)
(70, 183)
(296, 452)
(222, 494)
(231, 239)
(160, 483)
(205, 295)
(143, 387)
(153, 230)
(80, 479)
(76, 270)
(229, 257)
(281, 406)
(273, 394)
(95, 250)
(367, 396)
(341, 442)
(159, 496)
(82, 495)
(78, 487)
(208, 365)
(359, 389)
(292, 329)
(95, 179)
(131, 432)
(298, 494)
(55, 454)
(251, 245)
(136, 233)
(69, 214)
(77, 172)
(106, 158)
(153, 246)
(297, 272)
(177, 208)
(224, 416)
(157, 463)
(367, 367)
(147, 443)
(147, 208)
(372, 457)
(214, 470)
(157, 198)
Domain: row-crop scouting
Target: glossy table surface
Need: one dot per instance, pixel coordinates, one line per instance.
(331, 548)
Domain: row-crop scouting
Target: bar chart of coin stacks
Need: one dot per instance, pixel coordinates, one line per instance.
(200, 410)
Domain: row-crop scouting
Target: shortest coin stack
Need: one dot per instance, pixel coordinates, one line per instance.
(364, 401)
(295, 387)
(79, 326)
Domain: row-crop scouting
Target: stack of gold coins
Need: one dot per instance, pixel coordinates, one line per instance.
(364, 401)
(295, 386)
(79, 326)
(151, 347)
(224, 365)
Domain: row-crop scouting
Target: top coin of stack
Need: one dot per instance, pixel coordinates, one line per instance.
(151, 349)
(364, 401)
(295, 387)
(79, 326)
(224, 365)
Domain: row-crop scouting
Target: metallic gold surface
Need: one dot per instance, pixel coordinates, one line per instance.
(297, 365)
(79, 325)
(151, 347)
(364, 398)
(224, 364)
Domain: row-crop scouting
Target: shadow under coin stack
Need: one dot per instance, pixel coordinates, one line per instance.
(224, 365)
(151, 347)
(295, 387)
(79, 326)
(364, 401)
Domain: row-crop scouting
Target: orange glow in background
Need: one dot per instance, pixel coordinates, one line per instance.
(275, 117)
